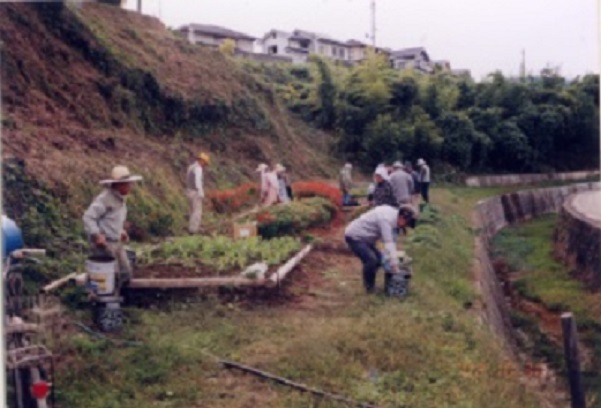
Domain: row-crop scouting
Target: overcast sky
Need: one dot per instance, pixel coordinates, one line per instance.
(480, 35)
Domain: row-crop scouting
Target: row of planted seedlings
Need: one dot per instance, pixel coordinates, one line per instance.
(220, 259)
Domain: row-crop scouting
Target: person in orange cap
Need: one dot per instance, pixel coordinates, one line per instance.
(195, 190)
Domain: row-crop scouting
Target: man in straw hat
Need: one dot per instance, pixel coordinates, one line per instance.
(105, 218)
(195, 190)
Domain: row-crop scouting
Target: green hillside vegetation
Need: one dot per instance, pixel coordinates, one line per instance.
(90, 86)
(535, 124)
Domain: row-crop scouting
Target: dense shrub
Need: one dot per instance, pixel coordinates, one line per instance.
(539, 123)
(229, 201)
(295, 217)
(307, 189)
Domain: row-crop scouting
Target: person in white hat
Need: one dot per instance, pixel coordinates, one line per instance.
(383, 194)
(104, 219)
(269, 195)
(424, 179)
(402, 184)
(195, 190)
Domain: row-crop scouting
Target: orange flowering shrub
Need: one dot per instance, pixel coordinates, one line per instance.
(229, 201)
(306, 189)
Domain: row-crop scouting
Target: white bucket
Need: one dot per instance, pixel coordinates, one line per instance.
(101, 272)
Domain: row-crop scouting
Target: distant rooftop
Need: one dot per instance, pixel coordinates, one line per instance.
(408, 52)
(216, 31)
(356, 43)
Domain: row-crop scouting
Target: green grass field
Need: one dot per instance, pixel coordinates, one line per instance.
(429, 350)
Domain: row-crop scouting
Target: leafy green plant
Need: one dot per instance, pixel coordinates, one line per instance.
(221, 253)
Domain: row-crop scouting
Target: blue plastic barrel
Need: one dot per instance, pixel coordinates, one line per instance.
(12, 239)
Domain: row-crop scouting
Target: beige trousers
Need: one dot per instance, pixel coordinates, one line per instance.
(195, 211)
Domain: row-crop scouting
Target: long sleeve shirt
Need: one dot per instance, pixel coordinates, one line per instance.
(383, 194)
(345, 180)
(194, 180)
(106, 215)
(402, 186)
(374, 225)
(424, 174)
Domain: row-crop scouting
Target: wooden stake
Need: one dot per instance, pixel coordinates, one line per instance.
(290, 265)
(58, 283)
(179, 283)
(298, 386)
(570, 345)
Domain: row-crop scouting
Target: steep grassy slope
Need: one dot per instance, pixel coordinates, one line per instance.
(86, 88)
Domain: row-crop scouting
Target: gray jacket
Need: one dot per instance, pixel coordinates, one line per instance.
(106, 215)
(194, 179)
(374, 225)
(402, 186)
(424, 174)
(345, 180)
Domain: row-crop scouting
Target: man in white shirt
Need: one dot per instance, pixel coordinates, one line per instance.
(380, 223)
(424, 179)
(195, 191)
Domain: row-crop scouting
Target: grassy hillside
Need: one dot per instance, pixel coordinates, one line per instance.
(88, 87)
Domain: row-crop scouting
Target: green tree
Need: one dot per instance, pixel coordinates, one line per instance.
(326, 94)
(459, 135)
(427, 137)
(382, 140)
(228, 47)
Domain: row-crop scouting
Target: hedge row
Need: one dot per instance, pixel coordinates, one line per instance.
(295, 217)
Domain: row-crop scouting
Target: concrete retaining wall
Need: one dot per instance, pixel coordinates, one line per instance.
(492, 215)
(525, 179)
(578, 244)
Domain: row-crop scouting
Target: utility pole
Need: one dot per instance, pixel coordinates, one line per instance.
(523, 66)
(373, 23)
(140, 6)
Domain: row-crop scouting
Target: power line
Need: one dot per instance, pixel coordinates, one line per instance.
(373, 23)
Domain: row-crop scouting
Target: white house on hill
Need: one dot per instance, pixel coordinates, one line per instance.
(416, 58)
(298, 44)
(214, 36)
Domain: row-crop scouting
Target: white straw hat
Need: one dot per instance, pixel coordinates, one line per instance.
(121, 174)
(262, 167)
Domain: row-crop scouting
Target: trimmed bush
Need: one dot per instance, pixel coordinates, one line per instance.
(307, 189)
(295, 217)
(229, 201)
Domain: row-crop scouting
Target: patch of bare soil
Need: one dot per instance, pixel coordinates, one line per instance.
(543, 380)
